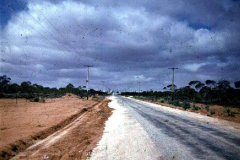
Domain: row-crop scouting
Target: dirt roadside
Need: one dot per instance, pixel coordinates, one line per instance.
(67, 141)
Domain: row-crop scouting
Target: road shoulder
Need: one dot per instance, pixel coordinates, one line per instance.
(124, 137)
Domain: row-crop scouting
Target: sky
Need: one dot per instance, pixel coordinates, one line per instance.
(48, 42)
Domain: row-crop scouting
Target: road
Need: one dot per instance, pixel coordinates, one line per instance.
(180, 137)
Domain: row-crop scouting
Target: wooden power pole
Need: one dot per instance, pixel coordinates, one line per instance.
(87, 77)
(102, 85)
(138, 88)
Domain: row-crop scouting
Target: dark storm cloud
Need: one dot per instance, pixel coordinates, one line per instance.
(49, 42)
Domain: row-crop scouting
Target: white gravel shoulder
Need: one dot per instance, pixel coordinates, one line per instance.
(124, 138)
(227, 125)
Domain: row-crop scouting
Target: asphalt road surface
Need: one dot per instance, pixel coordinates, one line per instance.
(180, 137)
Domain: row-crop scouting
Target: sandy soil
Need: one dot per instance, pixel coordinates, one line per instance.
(75, 141)
(26, 123)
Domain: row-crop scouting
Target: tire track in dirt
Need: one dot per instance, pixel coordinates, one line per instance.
(74, 141)
(20, 145)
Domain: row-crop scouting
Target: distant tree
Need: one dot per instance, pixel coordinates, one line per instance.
(210, 83)
(237, 84)
(62, 90)
(199, 86)
(222, 89)
(37, 88)
(206, 93)
(193, 83)
(26, 87)
(196, 84)
(47, 90)
(223, 85)
(69, 87)
(14, 88)
(4, 82)
(187, 91)
(80, 88)
(169, 87)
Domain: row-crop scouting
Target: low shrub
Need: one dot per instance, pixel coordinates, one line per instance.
(35, 99)
(230, 113)
(170, 102)
(42, 100)
(212, 112)
(161, 100)
(207, 107)
(176, 103)
(195, 108)
(185, 105)
(140, 97)
(207, 102)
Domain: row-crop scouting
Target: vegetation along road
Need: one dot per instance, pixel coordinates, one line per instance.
(178, 136)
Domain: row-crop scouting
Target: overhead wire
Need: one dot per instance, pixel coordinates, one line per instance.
(68, 43)
(37, 31)
(54, 27)
(41, 33)
(45, 29)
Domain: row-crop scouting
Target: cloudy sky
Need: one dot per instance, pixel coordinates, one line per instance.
(48, 42)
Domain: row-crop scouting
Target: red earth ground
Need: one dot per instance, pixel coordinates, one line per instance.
(26, 123)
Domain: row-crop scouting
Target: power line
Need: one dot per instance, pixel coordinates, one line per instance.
(8, 6)
(45, 29)
(54, 27)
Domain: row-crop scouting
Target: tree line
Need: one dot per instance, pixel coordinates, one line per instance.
(28, 90)
(209, 92)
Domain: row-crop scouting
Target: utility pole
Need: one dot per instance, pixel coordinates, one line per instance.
(102, 85)
(87, 76)
(138, 88)
(172, 82)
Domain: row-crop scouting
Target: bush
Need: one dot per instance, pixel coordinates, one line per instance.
(140, 97)
(161, 100)
(230, 113)
(42, 100)
(197, 99)
(176, 103)
(195, 108)
(185, 105)
(170, 102)
(207, 107)
(212, 112)
(35, 99)
(208, 102)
